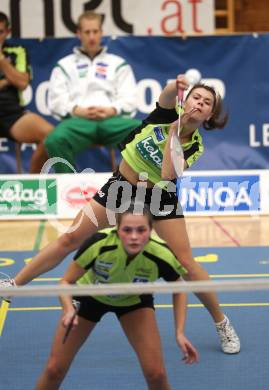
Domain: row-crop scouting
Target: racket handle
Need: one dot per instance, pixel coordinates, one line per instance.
(180, 93)
(76, 305)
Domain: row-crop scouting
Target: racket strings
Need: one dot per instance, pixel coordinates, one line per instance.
(5, 282)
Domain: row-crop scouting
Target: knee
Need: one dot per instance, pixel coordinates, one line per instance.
(188, 263)
(52, 137)
(54, 372)
(156, 376)
(55, 141)
(70, 241)
(194, 271)
(73, 238)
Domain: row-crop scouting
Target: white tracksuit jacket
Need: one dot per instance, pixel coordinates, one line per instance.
(106, 81)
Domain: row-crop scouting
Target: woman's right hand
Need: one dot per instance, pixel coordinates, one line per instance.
(67, 318)
(182, 82)
(167, 98)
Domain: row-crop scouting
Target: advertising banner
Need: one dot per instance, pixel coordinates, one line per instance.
(224, 193)
(25, 197)
(235, 65)
(58, 18)
(204, 193)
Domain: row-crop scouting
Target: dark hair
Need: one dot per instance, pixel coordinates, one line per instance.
(219, 117)
(4, 19)
(136, 208)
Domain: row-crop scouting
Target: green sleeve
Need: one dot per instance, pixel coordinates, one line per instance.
(22, 60)
(89, 250)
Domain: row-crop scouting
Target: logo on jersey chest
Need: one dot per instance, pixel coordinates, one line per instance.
(150, 151)
(82, 69)
(158, 131)
(102, 268)
(101, 70)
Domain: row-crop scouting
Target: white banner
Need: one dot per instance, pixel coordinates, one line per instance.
(39, 19)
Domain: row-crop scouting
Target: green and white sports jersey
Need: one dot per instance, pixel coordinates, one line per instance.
(105, 260)
(143, 149)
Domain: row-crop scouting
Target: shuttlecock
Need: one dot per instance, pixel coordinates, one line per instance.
(193, 76)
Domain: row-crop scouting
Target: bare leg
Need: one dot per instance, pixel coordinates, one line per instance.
(32, 128)
(174, 232)
(142, 332)
(82, 227)
(62, 355)
(39, 157)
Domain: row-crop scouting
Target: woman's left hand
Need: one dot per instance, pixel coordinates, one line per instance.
(189, 351)
(185, 116)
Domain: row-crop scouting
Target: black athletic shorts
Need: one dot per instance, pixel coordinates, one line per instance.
(93, 310)
(7, 120)
(117, 191)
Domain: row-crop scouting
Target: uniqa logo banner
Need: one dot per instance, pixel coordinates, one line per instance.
(219, 193)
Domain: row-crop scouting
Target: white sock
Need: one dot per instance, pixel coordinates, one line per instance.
(225, 319)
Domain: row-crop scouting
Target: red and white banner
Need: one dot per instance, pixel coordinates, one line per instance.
(57, 18)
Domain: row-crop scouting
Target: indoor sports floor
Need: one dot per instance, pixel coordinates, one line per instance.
(228, 247)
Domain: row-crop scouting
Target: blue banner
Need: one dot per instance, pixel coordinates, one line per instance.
(221, 193)
(236, 65)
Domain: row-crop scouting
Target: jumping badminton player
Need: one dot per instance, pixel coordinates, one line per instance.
(146, 154)
(123, 255)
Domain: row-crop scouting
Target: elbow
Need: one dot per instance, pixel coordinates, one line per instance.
(167, 175)
(22, 85)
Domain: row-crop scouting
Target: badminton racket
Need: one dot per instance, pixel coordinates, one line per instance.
(76, 305)
(5, 281)
(177, 154)
(180, 94)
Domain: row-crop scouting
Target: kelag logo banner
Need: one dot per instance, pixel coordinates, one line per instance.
(28, 197)
(220, 193)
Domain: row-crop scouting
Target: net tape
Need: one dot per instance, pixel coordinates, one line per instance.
(136, 288)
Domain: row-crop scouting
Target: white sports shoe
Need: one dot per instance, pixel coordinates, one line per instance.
(6, 283)
(229, 340)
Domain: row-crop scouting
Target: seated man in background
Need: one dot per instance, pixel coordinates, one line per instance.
(94, 92)
(15, 123)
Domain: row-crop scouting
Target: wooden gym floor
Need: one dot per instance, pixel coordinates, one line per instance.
(203, 232)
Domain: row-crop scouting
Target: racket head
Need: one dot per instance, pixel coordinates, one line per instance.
(4, 276)
(177, 155)
(5, 281)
